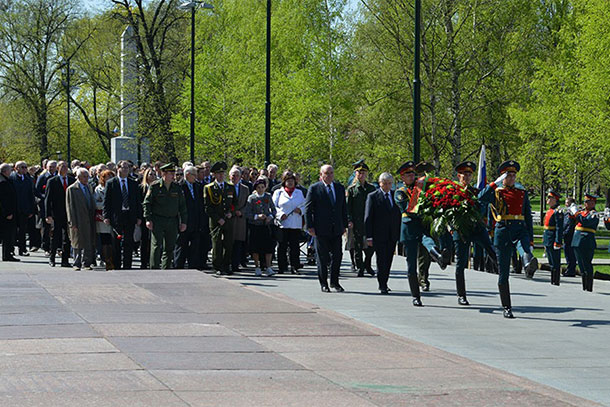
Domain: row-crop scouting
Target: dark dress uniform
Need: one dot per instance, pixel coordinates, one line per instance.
(552, 238)
(584, 243)
(412, 230)
(219, 202)
(166, 208)
(511, 210)
(356, 203)
(569, 225)
(479, 237)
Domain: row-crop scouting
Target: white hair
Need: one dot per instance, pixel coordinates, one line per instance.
(51, 162)
(80, 171)
(186, 164)
(5, 167)
(272, 167)
(189, 169)
(386, 176)
(235, 168)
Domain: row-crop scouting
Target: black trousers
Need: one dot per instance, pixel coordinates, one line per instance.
(60, 240)
(239, 248)
(328, 253)
(22, 227)
(123, 248)
(7, 236)
(145, 248)
(187, 249)
(33, 233)
(385, 255)
(289, 243)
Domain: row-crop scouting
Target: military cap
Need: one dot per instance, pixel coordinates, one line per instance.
(424, 166)
(553, 193)
(170, 167)
(509, 166)
(219, 166)
(360, 165)
(591, 197)
(409, 166)
(466, 166)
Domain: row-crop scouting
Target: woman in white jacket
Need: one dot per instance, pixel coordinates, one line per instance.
(289, 203)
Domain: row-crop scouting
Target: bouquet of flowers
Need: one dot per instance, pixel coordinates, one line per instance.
(446, 205)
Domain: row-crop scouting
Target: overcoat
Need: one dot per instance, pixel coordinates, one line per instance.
(80, 211)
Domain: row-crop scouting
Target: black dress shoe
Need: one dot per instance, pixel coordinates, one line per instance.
(65, 264)
(384, 291)
(417, 302)
(508, 313)
(426, 286)
(325, 289)
(52, 263)
(360, 273)
(371, 272)
(337, 288)
(12, 259)
(463, 301)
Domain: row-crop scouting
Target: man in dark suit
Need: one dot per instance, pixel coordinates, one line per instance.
(205, 240)
(24, 187)
(40, 191)
(382, 227)
(55, 211)
(8, 209)
(326, 220)
(188, 244)
(123, 210)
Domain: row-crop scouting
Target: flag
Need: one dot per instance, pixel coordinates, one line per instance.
(482, 172)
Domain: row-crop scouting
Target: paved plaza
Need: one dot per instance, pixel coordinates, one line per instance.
(186, 338)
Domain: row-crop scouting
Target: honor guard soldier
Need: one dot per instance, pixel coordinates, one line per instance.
(553, 234)
(583, 241)
(479, 234)
(356, 203)
(412, 230)
(165, 213)
(220, 201)
(511, 210)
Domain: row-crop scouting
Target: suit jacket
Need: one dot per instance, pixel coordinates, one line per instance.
(194, 207)
(80, 210)
(25, 193)
(113, 202)
(55, 199)
(239, 223)
(41, 184)
(381, 222)
(327, 219)
(8, 199)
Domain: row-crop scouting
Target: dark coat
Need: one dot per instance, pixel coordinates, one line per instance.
(25, 193)
(8, 199)
(194, 207)
(382, 222)
(320, 214)
(55, 199)
(113, 202)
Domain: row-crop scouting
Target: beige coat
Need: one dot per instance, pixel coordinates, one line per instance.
(239, 224)
(80, 215)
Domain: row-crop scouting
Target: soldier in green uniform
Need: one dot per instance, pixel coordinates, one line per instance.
(220, 201)
(583, 241)
(356, 203)
(165, 213)
(423, 257)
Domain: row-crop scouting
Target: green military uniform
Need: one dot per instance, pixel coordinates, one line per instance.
(219, 202)
(166, 209)
(584, 243)
(356, 203)
(423, 256)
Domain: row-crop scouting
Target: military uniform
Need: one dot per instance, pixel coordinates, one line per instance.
(462, 243)
(511, 210)
(553, 237)
(412, 230)
(584, 243)
(165, 207)
(220, 204)
(356, 202)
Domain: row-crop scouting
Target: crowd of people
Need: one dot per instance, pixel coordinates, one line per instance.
(172, 217)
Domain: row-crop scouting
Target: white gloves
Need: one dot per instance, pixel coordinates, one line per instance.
(501, 178)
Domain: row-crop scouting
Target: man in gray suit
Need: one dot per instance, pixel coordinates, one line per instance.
(326, 220)
(80, 207)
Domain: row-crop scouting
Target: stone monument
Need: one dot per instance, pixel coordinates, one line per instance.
(126, 146)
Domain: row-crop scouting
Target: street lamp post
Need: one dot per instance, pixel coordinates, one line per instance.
(268, 90)
(416, 85)
(69, 72)
(192, 6)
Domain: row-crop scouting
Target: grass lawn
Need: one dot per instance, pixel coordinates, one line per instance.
(599, 254)
(602, 269)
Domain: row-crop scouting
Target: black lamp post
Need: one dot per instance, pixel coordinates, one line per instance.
(416, 85)
(268, 90)
(66, 63)
(192, 6)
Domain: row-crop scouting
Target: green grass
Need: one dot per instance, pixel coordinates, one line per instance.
(602, 269)
(599, 254)
(538, 230)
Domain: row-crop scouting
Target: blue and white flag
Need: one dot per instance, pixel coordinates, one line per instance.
(482, 172)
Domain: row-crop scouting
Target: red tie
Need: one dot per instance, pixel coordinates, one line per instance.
(65, 183)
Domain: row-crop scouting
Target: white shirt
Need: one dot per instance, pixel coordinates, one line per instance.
(285, 204)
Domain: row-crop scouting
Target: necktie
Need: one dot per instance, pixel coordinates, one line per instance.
(387, 194)
(65, 183)
(331, 195)
(124, 194)
(86, 193)
(236, 191)
(191, 189)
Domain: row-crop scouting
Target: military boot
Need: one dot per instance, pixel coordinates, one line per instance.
(505, 299)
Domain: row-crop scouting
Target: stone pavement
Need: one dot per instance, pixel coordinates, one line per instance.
(185, 338)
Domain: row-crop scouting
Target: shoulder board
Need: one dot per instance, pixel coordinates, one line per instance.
(210, 185)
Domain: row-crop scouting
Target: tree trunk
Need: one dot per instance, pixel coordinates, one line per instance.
(455, 85)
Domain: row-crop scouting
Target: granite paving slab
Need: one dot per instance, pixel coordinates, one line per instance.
(68, 362)
(48, 331)
(105, 399)
(163, 329)
(55, 345)
(196, 344)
